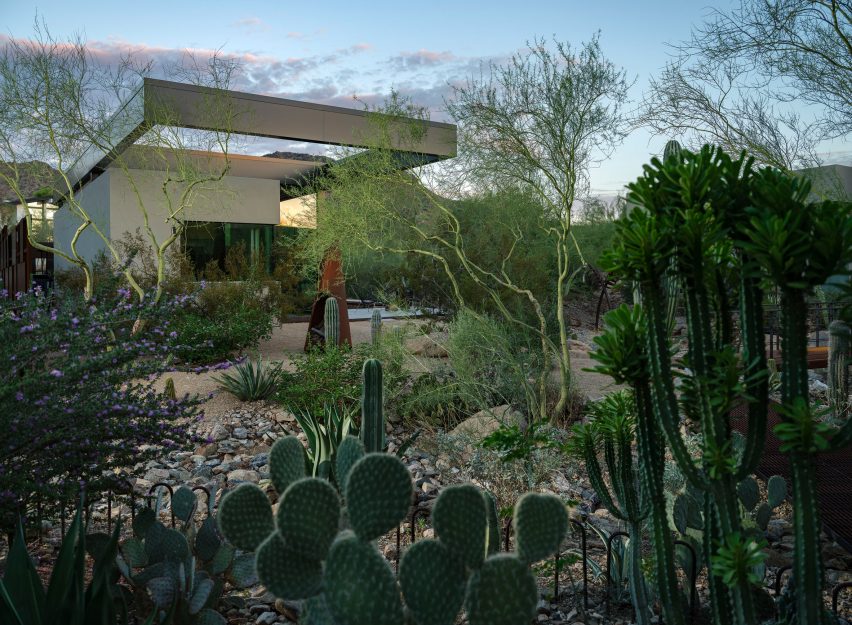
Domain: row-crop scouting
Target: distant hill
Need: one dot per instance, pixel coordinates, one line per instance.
(300, 156)
(32, 176)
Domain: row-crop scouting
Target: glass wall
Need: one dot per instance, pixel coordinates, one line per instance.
(206, 241)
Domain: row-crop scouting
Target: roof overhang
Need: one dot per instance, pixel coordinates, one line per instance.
(195, 107)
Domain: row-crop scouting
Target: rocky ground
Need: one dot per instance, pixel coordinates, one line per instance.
(238, 449)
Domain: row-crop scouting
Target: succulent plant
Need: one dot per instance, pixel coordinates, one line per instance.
(331, 321)
(376, 326)
(728, 229)
(610, 432)
(343, 578)
(169, 389)
(325, 435)
(372, 407)
(184, 571)
(620, 353)
(839, 360)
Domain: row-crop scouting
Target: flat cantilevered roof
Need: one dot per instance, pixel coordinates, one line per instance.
(189, 106)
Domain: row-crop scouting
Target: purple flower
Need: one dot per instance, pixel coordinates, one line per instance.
(56, 373)
(19, 396)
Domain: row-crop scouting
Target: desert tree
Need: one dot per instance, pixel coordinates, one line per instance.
(534, 125)
(58, 103)
(772, 77)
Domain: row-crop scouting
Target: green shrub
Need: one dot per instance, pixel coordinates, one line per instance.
(251, 381)
(493, 362)
(204, 337)
(323, 377)
(436, 400)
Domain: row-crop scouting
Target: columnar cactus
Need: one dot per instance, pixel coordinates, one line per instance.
(331, 321)
(672, 150)
(372, 408)
(376, 326)
(839, 358)
(718, 220)
(620, 352)
(343, 577)
(610, 432)
(690, 207)
(799, 245)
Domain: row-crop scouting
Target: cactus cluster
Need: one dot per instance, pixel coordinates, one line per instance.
(724, 231)
(315, 549)
(331, 321)
(183, 571)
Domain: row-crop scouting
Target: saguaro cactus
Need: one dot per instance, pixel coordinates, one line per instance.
(376, 326)
(839, 353)
(331, 321)
(372, 408)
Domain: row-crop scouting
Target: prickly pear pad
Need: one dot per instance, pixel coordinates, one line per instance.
(433, 582)
(245, 517)
(360, 587)
(461, 523)
(541, 523)
(502, 592)
(285, 573)
(309, 516)
(378, 495)
(286, 462)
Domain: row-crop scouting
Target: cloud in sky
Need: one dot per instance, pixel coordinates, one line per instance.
(421, 58)
(251, 23)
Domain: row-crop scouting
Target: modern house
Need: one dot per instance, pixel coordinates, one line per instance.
(249, 204)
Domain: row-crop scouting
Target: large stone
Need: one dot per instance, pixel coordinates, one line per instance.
(486, 422)
(428, 346)
(243, 475)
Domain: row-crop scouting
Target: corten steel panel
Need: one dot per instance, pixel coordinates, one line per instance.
(834, 488)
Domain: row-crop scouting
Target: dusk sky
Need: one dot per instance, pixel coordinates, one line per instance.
(329, 51)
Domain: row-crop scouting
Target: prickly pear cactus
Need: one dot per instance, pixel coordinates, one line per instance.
(331, 321)
(345, 580)
(183, 571)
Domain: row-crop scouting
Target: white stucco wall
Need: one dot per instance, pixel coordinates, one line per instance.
(94, 197)
(235, 199)
(114, 205)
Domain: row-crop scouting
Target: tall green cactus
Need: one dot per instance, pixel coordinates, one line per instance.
(343, 577)
(331, 321)
(799, 245)
(727, 229)
(672, 150)
(621, 353)
(839, 358)
(375, 326)
(610, 432)
(681, 225)
(372, 408)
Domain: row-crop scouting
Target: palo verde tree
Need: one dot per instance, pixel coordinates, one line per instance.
(772, 77)
(58, 104)
(534, 125)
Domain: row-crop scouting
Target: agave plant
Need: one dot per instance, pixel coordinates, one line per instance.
(325, 435)
(251, 381)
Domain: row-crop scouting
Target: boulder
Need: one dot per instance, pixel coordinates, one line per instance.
(486, 422)
(429, 346)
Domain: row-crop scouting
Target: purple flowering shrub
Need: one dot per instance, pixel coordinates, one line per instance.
(77, 402)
